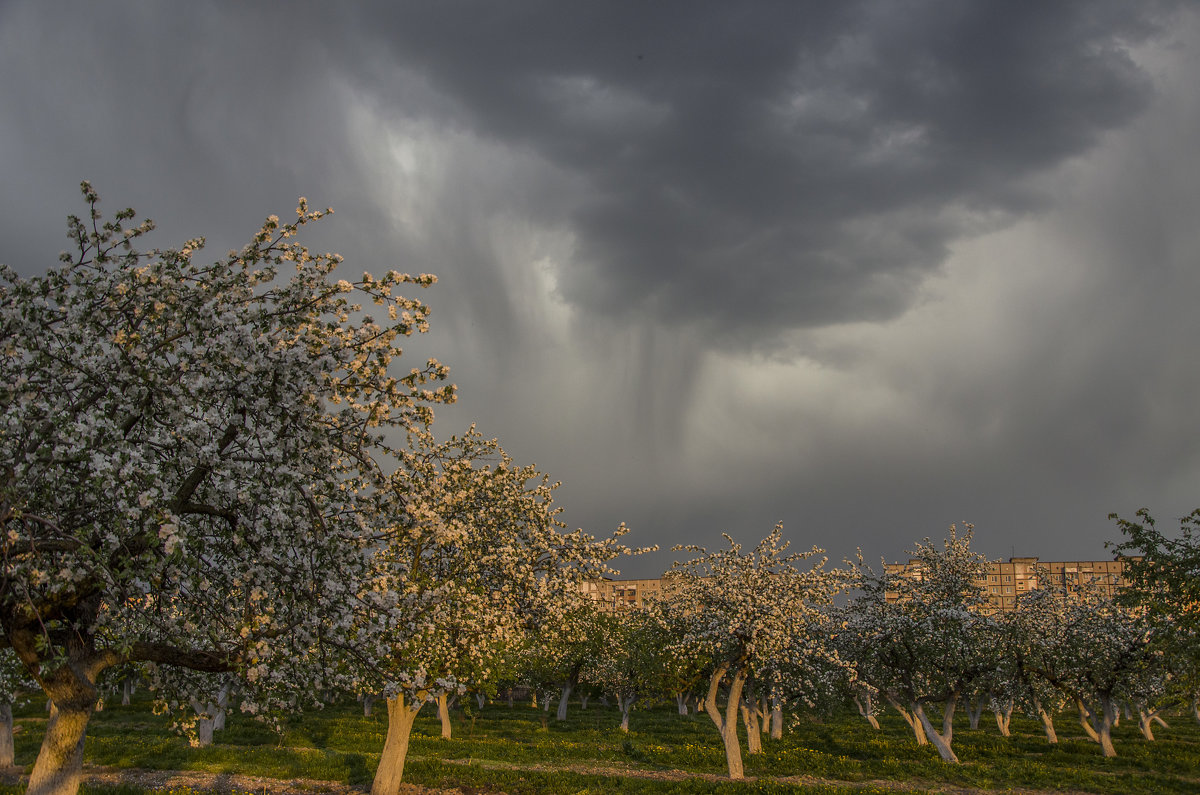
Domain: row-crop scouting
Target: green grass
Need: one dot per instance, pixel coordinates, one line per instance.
(508, 750)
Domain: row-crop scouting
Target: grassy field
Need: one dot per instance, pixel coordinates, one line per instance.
(507, 750)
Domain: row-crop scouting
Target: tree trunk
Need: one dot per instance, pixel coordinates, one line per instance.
(1146, 720)
(510, 698)
(1108, 721)
(776, 715)
(7, 749)
(126, 690)
(1048, 726)
(1004, 718)
(562, 701)
(625, 704)
(974, 711)
(753, 732)
(60, 760)
(941, 741)
(583, 700)
(391, 762)
(205, 714)
(1101, 722)
(866, 708)
(913, 722)
(1085, 720)
(481, 700)
(368, 704)
(222, 705)
(443, 708)
(1145, 727)
(727, 723)
(204, 731)
(681, 703)
(948, 717)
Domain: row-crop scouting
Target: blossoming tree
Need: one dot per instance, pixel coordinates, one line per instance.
(1164, 575)
(1103, 654)
(468, 547)
(186, 452)
(926, 646)
(630, 662)
(564, 637)
(749, 613)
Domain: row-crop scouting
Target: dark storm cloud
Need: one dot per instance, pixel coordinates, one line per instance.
(744, 167)
(869, 268)
(755, 167)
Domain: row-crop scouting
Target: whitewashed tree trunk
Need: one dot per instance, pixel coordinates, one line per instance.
(681, 703)
(443, 708)
(941, 740)
(776, 714)
(481, 700)
(1085, 720)
(205, 714)
(974, 711)
(1196, 707)
(222, 705)
(562, 701)
(862, 700)
(911, 719)
(204, 732)
(395, 748)
(753, 732)
(1048, 726)
(1004, 718)
(583, 700)
(727, 723)
(368, 702)
(126, 690)
(7, 748)
(1100, 722)
(763, 706)
(1107, 720)
(625, 704)
(1146, 720)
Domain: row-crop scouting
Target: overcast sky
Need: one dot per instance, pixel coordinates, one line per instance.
(865, 268)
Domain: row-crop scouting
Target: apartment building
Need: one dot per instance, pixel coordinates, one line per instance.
(1006, 580)
(625, 594)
